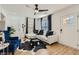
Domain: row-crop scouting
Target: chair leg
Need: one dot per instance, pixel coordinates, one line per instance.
(13, 53)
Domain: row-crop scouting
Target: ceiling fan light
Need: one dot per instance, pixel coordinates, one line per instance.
(36, 11)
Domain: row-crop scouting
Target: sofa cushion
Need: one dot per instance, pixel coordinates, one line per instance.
(40, 32)
(49, 33)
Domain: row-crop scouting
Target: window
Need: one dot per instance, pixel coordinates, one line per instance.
(44, 24)
(38, 24)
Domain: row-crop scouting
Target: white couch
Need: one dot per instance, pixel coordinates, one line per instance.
(50, 39)
(31, 35)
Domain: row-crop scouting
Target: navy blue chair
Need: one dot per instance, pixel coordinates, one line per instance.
(13, 41)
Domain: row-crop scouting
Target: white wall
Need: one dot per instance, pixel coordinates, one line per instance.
(56, 21)
(16, 21)
(13, 19)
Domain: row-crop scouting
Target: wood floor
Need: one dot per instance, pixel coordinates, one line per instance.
(59, 49)
(54, 49)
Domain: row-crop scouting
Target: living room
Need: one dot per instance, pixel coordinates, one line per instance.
(46, 27)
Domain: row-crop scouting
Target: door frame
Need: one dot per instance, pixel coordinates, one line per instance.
(77, 14)
(61, 26)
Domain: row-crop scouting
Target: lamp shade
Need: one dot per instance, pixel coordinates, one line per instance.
(2, 25)
(2, 22)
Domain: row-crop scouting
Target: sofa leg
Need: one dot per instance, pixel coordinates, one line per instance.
(13, 53)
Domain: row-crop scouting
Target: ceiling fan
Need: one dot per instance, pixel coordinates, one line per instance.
(36, 9)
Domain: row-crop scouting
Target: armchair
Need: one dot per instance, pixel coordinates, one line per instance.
(13, 41)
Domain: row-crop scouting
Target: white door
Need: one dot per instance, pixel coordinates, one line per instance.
(68, 34)
(78, 31)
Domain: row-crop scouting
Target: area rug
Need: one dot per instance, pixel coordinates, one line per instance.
(26, 52)
(22, 52)
(33, 46)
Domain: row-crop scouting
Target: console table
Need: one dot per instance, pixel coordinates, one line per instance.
(3, 46)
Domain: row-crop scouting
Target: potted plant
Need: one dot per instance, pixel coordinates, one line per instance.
(12, 31)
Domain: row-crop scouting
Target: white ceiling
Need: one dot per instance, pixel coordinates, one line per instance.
(22, 10)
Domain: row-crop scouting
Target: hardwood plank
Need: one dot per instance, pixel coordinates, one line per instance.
(54, 49)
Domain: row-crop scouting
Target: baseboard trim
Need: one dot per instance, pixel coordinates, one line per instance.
(69, 46)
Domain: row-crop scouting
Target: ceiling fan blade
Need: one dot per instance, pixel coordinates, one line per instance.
(34, 13)
(43, 10)
(29, 7)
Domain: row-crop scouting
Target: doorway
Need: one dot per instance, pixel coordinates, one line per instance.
(68, 33)
(78, 31)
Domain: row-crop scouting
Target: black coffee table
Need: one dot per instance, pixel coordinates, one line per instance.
(37, 44)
